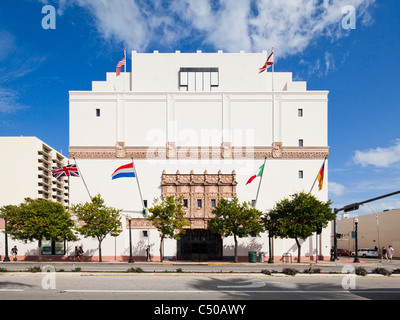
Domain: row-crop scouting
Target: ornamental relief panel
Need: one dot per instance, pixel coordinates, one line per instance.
(200, 191)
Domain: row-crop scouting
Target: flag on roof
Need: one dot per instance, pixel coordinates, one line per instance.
(268, 63)
(125, 171)
(257, 174)
(68, 171)
(120, 65)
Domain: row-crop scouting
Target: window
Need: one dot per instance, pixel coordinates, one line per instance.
(199, 204)
(145, 203)
(97, 112)
(199, 79)
(145, 234)
(300, 113)
(185, 203)
(253, 203)
(213, 203)
(301, 142)
(301, 175)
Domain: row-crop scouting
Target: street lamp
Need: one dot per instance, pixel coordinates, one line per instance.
(271, 259)
(6, 258)
(130, 239)
(356, 260)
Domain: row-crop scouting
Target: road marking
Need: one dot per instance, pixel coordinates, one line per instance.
(234, 291)
(12, 290)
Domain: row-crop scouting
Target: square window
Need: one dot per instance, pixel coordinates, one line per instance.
(97, 112)
(301, 142)
(199, 204)
(300, 113)
(145, 203)
(301, 174)
(185, 203)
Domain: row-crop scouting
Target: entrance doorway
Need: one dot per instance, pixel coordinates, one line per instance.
(199, 245)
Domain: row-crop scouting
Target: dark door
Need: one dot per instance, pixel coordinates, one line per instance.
(199, 245)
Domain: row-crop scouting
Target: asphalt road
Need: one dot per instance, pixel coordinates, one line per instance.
(194, 286)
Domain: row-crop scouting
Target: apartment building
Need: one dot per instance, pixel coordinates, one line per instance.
(27, 163)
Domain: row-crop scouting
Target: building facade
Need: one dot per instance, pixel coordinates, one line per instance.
(374, 230)
(27, 163)
(198, 125)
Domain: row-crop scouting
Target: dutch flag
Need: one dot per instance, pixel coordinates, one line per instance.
(125, 171)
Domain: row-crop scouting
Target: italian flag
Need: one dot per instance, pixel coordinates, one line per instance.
(257, 174)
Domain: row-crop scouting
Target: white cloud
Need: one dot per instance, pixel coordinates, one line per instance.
(336, 188)
(9, 101)
(379, 157)
(252, 25)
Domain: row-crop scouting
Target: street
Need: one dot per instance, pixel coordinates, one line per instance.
(194, 286)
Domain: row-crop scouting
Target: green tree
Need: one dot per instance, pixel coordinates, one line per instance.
(239, 220)
(98, 220)
(299, 217)
(169, 219)
(38, 219)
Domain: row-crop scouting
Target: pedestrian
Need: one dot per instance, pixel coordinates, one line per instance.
(80, 252)
(332, 254)
(384, 254)
(14, 252)
(148, 258)
(390, 253)
(76, 253)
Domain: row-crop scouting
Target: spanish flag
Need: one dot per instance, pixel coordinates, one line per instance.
(321, 177)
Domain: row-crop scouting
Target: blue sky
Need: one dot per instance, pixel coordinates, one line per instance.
(358, 66)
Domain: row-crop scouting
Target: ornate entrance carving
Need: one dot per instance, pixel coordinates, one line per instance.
(201, 193)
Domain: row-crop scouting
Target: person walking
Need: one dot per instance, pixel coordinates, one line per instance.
(384, 254)
(390, 253)
(14, 252)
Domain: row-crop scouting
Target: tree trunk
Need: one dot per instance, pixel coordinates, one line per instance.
(100, 257)
(40, 251)
(161, 249)
(298, 250)
(236, 244)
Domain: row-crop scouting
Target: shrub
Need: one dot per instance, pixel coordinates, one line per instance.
(360, 271)
(135, 270)
(179, 270)
(290, 271)
(267, 272)
(382, 271)
(396, 271)
(310, 270)
(35, 269)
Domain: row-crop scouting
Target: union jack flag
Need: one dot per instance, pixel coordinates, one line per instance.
(68, 171)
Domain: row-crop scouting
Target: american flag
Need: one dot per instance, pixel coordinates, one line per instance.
(120, 65)
(68, 171)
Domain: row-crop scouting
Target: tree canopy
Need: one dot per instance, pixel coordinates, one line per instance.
(98, 220)
(168, 217)
(38, 219)
(298, 217)
(239, 220)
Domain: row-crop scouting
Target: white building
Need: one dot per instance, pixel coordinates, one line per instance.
(26, 164)
(199, 125)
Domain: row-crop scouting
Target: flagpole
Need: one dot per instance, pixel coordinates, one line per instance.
(137, 180)
(316, 178)
(80, 173)
(259, 184)
(125, 70)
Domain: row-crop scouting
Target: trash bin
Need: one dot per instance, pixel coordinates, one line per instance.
(252, 256)
(261, 255)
